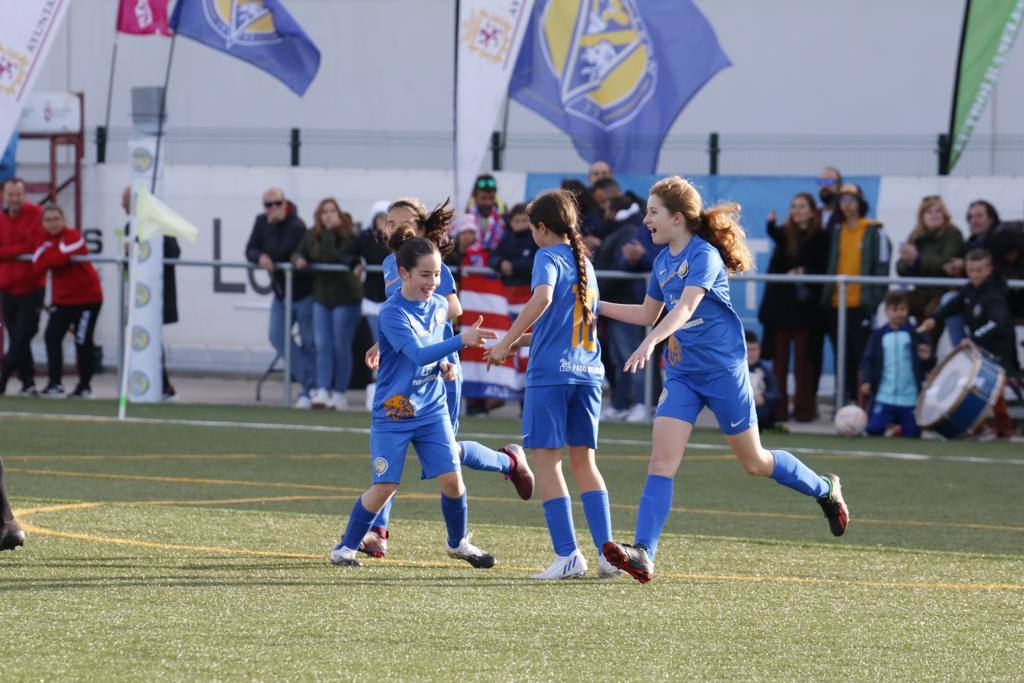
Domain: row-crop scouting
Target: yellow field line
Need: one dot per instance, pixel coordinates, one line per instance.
(743, 578)
(413, 495)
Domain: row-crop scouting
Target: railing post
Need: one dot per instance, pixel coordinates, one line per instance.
(295, 143)
(945, 151)
(101, 144)
(288, 286)
(496, 148)
(713, 150)
(841, 345)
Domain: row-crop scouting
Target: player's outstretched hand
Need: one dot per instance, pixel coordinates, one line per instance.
(497, 354)
(373, 357)
(638, 361)
(473, 336)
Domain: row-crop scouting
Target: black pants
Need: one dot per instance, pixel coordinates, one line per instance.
(858, 330)
(21, 317)
(82, 319)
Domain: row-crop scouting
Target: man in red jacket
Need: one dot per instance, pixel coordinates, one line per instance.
(21, 289)
(75, 300)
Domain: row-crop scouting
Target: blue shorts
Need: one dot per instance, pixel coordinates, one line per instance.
(726, 392)
(561, 415)
(435, 446)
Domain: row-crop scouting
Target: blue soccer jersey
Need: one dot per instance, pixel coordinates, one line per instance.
(410, 389)
(393, 281)
(563, 350)
(712, 339)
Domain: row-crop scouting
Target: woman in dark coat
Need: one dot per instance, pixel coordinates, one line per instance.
(791, 314)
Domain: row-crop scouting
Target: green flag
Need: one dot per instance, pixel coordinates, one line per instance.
(990, 27)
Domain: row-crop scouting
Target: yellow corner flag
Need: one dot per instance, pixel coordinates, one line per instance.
(153, 217)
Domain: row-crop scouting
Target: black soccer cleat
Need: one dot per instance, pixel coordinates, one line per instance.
(466, 551)
(834, 506)
(11, 535)
(633, 560)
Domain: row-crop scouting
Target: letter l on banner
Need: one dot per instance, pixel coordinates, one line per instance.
(490, 33)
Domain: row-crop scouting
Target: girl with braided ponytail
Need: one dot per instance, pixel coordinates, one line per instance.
(705, 363)
(563, 381)
(408, 218)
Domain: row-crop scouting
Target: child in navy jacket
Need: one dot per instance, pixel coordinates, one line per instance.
(892, 369)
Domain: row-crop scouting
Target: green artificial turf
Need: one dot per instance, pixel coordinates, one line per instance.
(175, 549)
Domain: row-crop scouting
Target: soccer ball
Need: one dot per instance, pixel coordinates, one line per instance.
(850, 421)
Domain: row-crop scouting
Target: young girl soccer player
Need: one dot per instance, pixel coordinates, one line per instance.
(705, 361)
(409, 403)
(563, 381)
(410, 213)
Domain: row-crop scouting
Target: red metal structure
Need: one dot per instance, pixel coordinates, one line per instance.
(55, 185)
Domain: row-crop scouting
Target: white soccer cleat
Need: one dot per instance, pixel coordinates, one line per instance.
(569, 567)
(466, 551)
(344, 557)
(605, 569)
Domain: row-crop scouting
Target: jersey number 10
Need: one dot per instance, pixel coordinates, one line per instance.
(583, 335)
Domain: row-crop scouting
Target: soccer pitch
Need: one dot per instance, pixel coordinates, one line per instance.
(188, 545)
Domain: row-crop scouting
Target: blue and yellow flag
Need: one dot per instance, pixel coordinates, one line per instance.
(260, 32)
(614, 74)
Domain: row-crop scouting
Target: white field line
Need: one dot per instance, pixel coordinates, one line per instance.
(99, 419)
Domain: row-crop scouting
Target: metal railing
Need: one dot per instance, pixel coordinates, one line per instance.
(840, 281)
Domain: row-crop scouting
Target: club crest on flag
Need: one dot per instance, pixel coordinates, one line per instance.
(603, 57)
(487, 35)
(241, 22)
(12, 70)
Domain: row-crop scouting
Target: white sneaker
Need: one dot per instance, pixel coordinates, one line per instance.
(319, 398)
(605, 569)
(480, 559)
(344, 557)
(568, 567)
(371, 389)
(338, 401)
(610, 414)
(303, 402)
(637, 414)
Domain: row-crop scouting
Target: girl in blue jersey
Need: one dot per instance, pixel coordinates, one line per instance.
(409, 213)
(705, 363)
(563, 381)
(409, 404)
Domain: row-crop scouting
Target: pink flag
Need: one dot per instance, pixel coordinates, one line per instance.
(143, 17)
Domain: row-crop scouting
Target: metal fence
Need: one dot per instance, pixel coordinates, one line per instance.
(840, 281)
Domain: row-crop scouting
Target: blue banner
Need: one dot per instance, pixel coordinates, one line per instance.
(614, 74)
(260, 32)
(8, 165)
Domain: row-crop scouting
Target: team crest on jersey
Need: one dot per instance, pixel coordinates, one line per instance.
(380, 466)
(603, 57)
(674, 351)
(440, 317)
(241, 22)
(398, 407)
(684, 268)
(13, 70)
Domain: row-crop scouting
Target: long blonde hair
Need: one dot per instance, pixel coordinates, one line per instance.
(927, 203)
(719, 225)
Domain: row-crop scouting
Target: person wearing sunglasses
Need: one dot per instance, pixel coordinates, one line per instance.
(275, 236)
(489, 211)
(829, 182)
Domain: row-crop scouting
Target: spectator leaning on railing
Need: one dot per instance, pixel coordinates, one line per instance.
(930, 251)
(75, 301)
(791, 314)
(275, 236)
(893, 368)
(858, 247)
(22, 290)
(513, 259)
(337, 300)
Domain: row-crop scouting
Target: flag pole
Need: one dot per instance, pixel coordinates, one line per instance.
(948, 152)
(110, 82)
(162, 113)
(455, 112)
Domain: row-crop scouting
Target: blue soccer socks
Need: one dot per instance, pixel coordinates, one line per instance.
(558, 514)
(477, 456)
(599, 516)
(456, 518)
(789, 471)
(653, 511)
(384, 516)
(358, 524)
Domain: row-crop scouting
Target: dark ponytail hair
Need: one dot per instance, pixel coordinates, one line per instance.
(434, 224)
(409, 247)
(557, 211)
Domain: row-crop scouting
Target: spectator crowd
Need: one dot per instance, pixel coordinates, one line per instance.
(827, 232)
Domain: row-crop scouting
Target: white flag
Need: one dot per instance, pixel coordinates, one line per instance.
(490, 34)
(27, 30)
